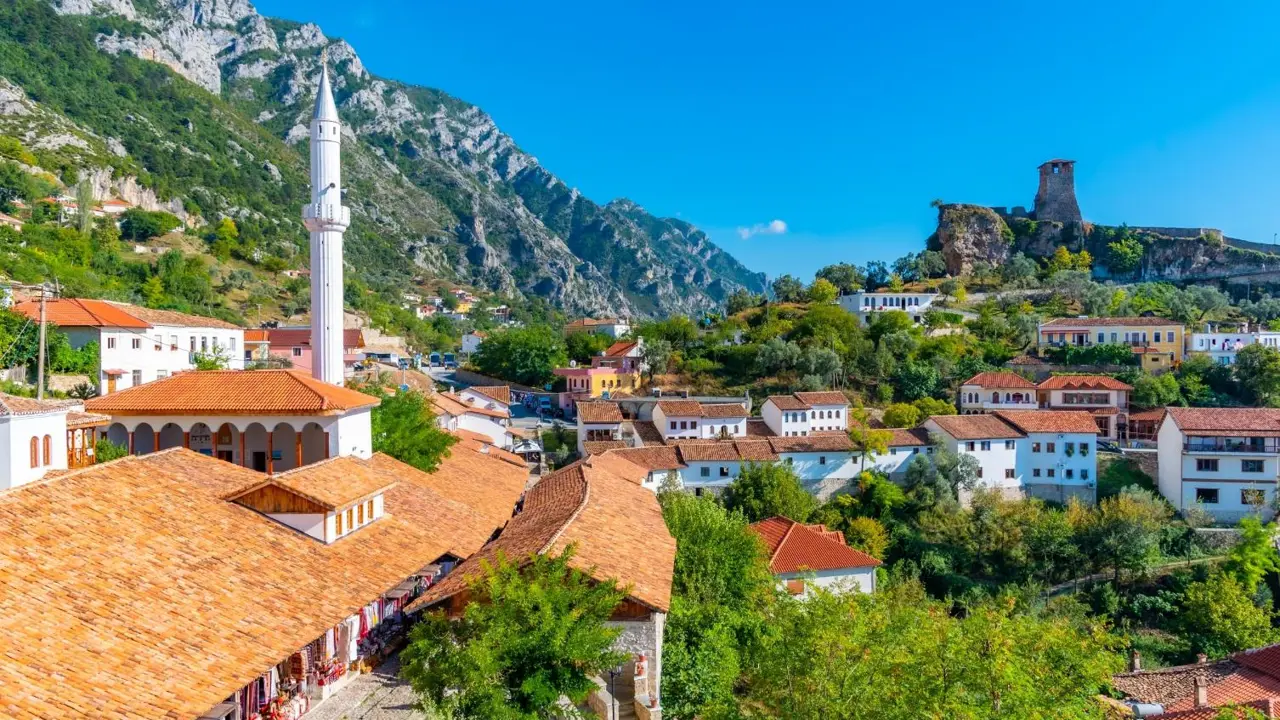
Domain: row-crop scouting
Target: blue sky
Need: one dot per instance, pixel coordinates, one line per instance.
(843, 122)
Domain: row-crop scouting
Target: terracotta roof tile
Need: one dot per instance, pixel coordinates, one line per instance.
(599, 506)
(233, 392)
(1083, 382)
(1109, 322)
(761, 450)
(651, 458)
(11, 405)
(75, 312)
(76, 420)
(132, 589)
(599, 412)
(501, 393)
(299, 337)
(723, 410)
(681, 408)
(999, 380)
(620, 348)
(795, 547)
(758, 428)
(334, 483)
(826, 397)
(833, 442)
(1270, 708)
(173, 317)
(455, 405)
(493, 497)
(975, 427)
(707, 451)
(787, 402)
(598, 447)
(649, 433)
(1049, 421)
(1232, 421)
(913, 437)
(255, 336)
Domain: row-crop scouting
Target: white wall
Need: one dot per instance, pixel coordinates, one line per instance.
(487, 426)
(1083, 465)
(1169, 462)
(583, 428)
(16, 433)
(162, 350)
(691, 477)
(709, 428)
(1179, 479)
(354, 435)
(312, 524)
(835, 581)
(810, 466)
(787, 423)
(994, 461)
(691, 431)
(828, 418)
(479, 399)
(894, 463)
(772, 417)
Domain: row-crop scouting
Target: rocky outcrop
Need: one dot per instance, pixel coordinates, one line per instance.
(970, 234)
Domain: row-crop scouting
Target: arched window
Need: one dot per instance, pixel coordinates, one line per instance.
(35, 452)
(48, 450)
(995, 397)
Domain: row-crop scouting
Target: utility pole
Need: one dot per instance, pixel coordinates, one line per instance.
(40, 361)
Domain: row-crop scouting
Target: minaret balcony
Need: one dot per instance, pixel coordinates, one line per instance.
(326, 216)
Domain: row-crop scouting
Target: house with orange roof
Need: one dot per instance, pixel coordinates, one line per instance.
(613, 327)
(804, 413)
(600, 381)
(990, 391)
(11, 222)
(264, 420)
(903, 447)
(472, 341)
(486, 417)
(804, 557)
(138, 345)
(293, 345)
(1105, 397)
(493, 397)
(1225, 461)
(42, 436)
(1242, 685)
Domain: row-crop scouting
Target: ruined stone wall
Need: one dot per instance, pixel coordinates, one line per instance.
(1056, 198)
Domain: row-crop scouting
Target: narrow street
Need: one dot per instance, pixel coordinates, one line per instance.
(380, 695)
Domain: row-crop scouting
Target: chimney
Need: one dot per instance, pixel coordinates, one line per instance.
(1201, 658)
(1135, 661)
(1202, 692)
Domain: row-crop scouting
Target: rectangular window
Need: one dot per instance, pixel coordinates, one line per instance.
(1102, 337)
(705, 472)
(193, 343)
(137, 378)
(1084, 449)
(1157, 336)
(1208, 496)
(1051, 472)
(1035, 447)
(360, 515)
(979, 472)
(1251, 466)
(137, 343)
(369, 511)
(1253, 497)
(159, 343)
(351, 516)
(1070, 473)
(1008, 473)
(893, 451)
(111, 343)
(969, 446)
(162, 374)
(673, 424)
(724, 471)
(1049, 447)
(1207, 465)
(297, 352)
(337, 524)
(986, 444)
(1084, 474)
(204, 344)
(1008, 445)
(1035, 472)
(822, 459)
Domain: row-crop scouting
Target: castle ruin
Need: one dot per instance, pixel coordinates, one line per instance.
(1056, 198)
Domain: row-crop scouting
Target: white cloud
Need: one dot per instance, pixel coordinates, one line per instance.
(776, 227)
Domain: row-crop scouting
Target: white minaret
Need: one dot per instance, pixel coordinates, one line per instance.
(327, 218)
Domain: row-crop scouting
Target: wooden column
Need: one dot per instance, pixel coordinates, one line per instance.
(270, 451)
(297, 449)
(244, 460)
(326, 444)
(186, 440)
(130, 442)
(155, 443)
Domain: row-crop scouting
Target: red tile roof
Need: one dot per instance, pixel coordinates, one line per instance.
(1270, 708)
(255, 336)
(233, 392)
(334, 483)
(723, 410)
(917, 437)
(795, 547)
(815, 442)
(621, 348)
(455, 405)
(1109, 322)
(1050, 421)
(501, 393)
(680, 408)
(787, 402)
(976, 427)
(1229, 421)
(599, 447)
(651, 458)
(301, 337)
(1083, 382)
(1000, 380)
(825, 397)
(11, 405)
(599, 412)
(76, 312)
(173, 317)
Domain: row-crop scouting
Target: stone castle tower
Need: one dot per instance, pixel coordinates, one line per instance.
(327, 219)
(1056, 198)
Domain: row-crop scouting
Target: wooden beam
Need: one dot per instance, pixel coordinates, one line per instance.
(297, 449)
(326, 444)
(186, 440)
(131, 443)
(244, 461)
(270, 451)
(155, 444)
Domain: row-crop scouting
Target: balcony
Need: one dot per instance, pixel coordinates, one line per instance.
(1010, 405)
(1252, 446)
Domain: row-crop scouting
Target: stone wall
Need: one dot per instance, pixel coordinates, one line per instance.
(1056, 198)
(1061, 494)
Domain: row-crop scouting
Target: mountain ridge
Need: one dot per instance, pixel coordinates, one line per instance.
(432, 178)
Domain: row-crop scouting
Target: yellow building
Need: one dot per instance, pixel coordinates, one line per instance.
(1158, 341)
(598, 382)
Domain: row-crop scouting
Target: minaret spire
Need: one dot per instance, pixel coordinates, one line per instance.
(327, 219)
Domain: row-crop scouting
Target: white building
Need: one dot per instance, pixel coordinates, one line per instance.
(1224, 460)
(455, 413)
(692, 420)
(598, 422)
(39, 436)
(137, 345)
(867, 304)
(804, 557)
(904, 446)
(1223, 346)
(471, 342)
(493, 397)
(1106, 398)
(990, 391)
(805, 413)
(613, 327)
(1041, 453)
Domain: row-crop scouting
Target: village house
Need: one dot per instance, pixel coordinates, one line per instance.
(804, 413)
(1106, 398)
(293, 345)
(457, 413)
(903, 447)
(612, 327)
(139, 345)
(1222, 347)
(1225, 461)
(599, 507)
(990, 391)
(1039, 453)
(1157, 341)
(867, 305)
(598, 381)
(624, 354)
(491, 397)
(471, 341)
(1207, 689)
(41, 436)
(692, 420)
(804, 557)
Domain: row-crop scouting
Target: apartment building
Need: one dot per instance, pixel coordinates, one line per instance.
(990, 391)
(1158, 341)
(804, 413)
(866, 305)
(1224, 460)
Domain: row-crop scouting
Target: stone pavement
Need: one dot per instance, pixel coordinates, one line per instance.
(380, 695)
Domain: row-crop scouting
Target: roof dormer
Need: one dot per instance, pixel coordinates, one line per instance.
(326, 501)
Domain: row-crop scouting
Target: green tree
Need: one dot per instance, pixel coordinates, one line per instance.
(226, 237)
(1154, 391)
(141, 225)
(765, 490)
(1258, 371)
(1124, 532)
(583, 346)
(901, 415)
(930, 264)
(15, 184)
(866, 439)
(929, 407)
(788, 289)
(522, 355)
(1220, 617)
(740, 300)
(1125, 255)
(847, 278)
(106, 451)
(404, 427)
(1253, 555)
(866, 534)
(822, 291)
(534, 632)
(84, 206)
(656, 355)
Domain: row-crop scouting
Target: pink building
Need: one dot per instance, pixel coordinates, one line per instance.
(294, 345)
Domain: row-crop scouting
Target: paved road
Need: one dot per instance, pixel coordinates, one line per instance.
(380, 695)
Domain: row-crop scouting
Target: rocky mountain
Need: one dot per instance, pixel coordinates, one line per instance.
(436, 188)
